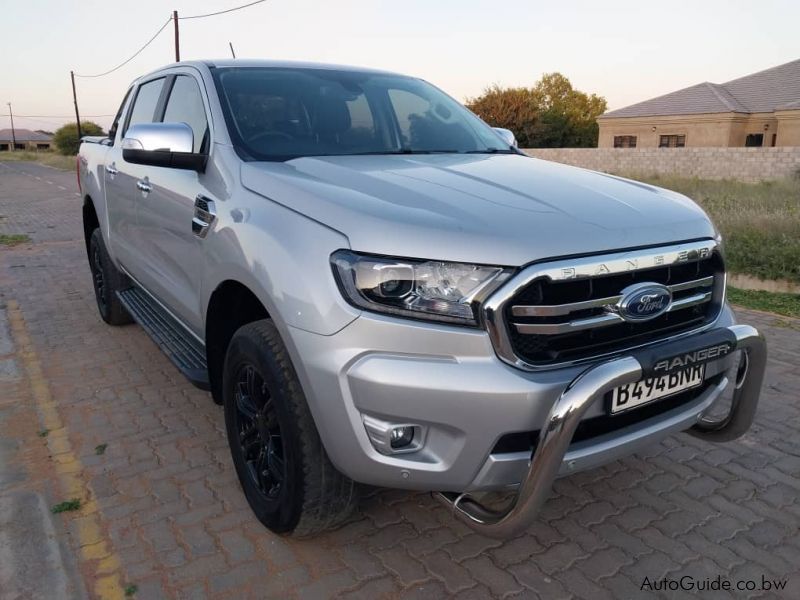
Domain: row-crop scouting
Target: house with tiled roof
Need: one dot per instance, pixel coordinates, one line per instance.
(761, 109)
(25, 139)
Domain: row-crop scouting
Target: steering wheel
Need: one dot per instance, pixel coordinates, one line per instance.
(264, 134)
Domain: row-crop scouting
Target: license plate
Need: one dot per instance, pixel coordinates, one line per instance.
(647, 390)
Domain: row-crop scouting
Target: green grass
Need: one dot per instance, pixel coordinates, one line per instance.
(100, 449)
(13, 239)
(130, 590)
(760, 222)
(67, 506)
(44, 157)
(44, 433)
(773, 302)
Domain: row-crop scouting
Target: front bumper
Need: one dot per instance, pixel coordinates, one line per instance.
(449, 381)
(548, 457)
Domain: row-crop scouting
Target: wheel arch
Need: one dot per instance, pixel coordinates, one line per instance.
(231, 305)
(90, 220)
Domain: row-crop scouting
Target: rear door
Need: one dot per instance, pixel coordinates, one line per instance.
(171, 251)
(122, 195)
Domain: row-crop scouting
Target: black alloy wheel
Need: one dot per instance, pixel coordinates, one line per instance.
(260, 439)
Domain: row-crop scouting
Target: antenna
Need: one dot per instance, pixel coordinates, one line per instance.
(232, 52)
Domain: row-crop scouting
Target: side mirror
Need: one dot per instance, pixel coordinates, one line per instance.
(162, 145)
(507, 135)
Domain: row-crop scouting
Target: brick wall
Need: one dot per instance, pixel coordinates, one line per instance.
(744, 164)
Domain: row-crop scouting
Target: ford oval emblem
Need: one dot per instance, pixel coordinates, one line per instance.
(644, 301)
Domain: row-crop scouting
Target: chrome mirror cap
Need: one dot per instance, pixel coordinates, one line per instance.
(507, 136)
(150, 137)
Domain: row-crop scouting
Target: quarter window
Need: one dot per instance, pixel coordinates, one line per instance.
(672, 141)
(185, 105)
(144, 107)
(624, 141)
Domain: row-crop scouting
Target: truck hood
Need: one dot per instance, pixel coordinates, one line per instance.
(492, 209)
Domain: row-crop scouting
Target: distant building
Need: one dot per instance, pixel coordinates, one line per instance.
(762, 109)
(26, 140)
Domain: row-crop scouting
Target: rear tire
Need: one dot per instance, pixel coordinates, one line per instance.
(107, 281)
(287, 477)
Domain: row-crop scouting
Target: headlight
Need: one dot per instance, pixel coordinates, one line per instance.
(439, 291)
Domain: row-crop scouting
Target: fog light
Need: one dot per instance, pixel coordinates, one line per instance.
(402, 437)
(391, 438)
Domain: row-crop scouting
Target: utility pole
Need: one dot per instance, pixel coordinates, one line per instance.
(13, 133)
(177, 37)
(232, 52)
(75, 102)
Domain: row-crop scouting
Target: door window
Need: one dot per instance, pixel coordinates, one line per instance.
(144, 107)
(112, 133)
(185, 105)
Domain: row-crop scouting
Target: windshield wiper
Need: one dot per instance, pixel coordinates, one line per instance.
(490, 151)
(412, 151)
(387, 152)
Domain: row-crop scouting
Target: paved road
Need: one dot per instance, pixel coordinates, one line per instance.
(161, 508)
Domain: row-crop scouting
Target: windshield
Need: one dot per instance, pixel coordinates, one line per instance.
(284, 113)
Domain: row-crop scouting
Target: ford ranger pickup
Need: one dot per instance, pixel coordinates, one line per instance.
(381, 289)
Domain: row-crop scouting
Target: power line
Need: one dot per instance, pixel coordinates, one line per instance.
(34, 120)
(222, 12)
(59, 116)
(167, 22)
(157, 33)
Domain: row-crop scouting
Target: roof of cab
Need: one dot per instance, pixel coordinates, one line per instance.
(247, 62)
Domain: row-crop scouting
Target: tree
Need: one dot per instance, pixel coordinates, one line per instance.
(550, 114)
(516, 109)
(66, 137)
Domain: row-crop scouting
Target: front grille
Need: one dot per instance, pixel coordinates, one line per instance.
(551, 321)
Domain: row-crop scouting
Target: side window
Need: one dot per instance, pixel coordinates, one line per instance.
(426, 126)
(185, 105)
(409, 109)
(144, 107)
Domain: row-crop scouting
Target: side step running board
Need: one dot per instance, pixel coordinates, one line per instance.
(183, 350)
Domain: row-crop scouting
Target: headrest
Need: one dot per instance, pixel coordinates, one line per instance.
(331, 116)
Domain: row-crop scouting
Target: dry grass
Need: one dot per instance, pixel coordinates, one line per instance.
(49, 158)
(760, 222)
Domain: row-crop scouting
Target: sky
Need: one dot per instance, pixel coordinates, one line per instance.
(626, 51)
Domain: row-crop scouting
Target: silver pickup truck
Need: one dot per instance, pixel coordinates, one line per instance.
(379, 288)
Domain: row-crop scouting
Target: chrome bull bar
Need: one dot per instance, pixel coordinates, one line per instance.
(589, 387)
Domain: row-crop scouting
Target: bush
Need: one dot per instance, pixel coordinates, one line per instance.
(66, 138)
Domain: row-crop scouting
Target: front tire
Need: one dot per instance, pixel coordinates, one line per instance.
(107, 281)
(287, 477)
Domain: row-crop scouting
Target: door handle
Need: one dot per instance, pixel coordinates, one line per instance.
(143, 185)
(112, 169)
